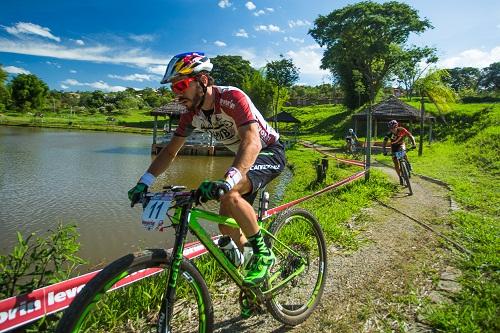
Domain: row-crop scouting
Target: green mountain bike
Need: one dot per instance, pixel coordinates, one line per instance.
(176, 298)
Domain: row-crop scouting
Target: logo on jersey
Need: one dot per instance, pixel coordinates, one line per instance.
(221, 129)
(227, 103)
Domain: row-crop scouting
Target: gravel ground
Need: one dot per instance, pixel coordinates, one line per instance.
(381, 286)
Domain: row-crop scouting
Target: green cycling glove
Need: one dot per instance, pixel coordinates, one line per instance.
(211, 190)
(134, 194)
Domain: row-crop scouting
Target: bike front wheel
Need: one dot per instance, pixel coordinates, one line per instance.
(405, 172)
(135, 307)
(299, 246)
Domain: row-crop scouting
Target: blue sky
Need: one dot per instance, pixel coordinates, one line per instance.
(110, 45)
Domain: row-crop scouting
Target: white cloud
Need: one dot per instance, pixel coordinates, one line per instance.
(135, 77)
(80, 42)
(250, 5)
(16, 70)
(241, 33)
(294, 40)
(100, 85)
(31, 29)
(220, 43)
(99, 53)
(270, 10)
(259, 13)
(71, 82)
(55, 64)
(142, 38)
(308, 59)
(64, 86)
(73, 71)
(471, 58)
(270, 28)
(298, 23)
(158, 69)
(224, 4)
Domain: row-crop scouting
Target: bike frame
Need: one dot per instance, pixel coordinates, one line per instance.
(188, 218)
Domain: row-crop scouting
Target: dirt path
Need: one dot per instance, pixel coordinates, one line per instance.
(379, 287)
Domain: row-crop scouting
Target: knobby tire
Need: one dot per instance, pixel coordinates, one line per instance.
(300, 230)
(137, 304)
(405, 171)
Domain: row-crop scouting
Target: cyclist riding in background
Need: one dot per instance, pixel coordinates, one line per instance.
(352, 137)
(396, 135)
(231, 117)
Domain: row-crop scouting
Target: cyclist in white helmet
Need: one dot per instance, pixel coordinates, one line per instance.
(396, 137)
(229, 114)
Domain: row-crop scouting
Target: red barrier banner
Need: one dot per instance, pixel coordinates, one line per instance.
(20, 310)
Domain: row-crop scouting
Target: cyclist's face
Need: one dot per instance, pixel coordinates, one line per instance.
(186, 90)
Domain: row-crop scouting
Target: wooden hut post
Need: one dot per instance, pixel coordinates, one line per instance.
(155, 128)
(430, 132)
(375, 130)
(368, 140)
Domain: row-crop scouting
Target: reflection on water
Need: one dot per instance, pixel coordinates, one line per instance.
(57, 176)
(125, 150)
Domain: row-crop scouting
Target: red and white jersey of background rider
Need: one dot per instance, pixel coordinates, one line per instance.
(232, 109)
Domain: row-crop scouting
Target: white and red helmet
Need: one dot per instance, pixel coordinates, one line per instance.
(392, 124)
(187, 63)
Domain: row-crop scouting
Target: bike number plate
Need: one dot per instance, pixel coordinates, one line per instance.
(400, 154)
(155, 213)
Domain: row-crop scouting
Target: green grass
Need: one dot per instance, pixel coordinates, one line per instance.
(132, 121)
(466, 156)
(322, 124)
(334, 208)
(468, 161)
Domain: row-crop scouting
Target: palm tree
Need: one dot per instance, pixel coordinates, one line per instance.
(433, 87)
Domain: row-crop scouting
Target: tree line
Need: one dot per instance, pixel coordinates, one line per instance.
(268, 88)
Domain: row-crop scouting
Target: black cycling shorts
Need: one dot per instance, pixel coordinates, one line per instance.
(269, 164)
(396, 147)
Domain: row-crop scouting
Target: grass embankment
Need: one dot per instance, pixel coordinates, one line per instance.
(322, 124)
(466, 156)
(132, 121)
(467, 159)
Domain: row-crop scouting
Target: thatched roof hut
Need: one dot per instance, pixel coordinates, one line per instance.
(284, 117)
(172, 108)
(389, 109)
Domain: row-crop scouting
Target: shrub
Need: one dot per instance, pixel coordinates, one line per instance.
(36, 261)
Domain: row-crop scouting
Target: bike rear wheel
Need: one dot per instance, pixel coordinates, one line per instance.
(405, 173)
(299, 230)
(135, 307)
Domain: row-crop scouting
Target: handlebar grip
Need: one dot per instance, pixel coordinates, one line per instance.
(220, 193)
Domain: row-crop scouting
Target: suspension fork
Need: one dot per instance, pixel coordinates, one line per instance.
(167, 305)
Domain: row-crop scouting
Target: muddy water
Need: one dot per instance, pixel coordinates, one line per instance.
(76, 177)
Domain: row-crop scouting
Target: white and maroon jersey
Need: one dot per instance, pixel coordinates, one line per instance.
(232, 109)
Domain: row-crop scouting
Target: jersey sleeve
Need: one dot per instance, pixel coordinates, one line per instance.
(405, 132)
(185, 128)
(236, 104)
